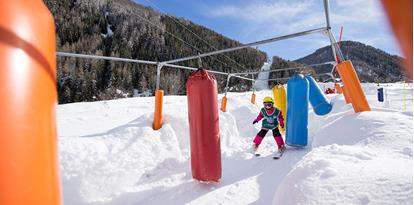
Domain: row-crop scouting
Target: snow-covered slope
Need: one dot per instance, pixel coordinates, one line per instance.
(109, 154)
(261, 82)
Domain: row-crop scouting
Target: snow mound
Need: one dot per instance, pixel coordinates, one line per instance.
(110, 155)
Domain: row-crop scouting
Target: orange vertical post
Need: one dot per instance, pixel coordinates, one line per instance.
(353, 86)
(224, 104)
(253, 100)
(346, 95)
(338, 88)
(400, 15)
(157, 124)
(29, 167)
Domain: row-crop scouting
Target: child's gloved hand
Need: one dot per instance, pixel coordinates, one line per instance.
(255, 121)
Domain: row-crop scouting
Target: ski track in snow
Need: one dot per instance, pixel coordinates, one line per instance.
(110, 155)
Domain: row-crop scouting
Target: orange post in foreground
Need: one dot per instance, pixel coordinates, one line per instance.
(224, 104)
(157, 124)
(29, 168)
(353, 86)
(400, 15)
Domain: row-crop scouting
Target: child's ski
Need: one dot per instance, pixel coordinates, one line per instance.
(278, 154)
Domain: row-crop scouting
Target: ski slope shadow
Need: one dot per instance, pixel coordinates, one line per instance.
(171, 181)
(272, 172)
(139, 122)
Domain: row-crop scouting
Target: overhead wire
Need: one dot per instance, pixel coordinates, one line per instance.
(200, 38)
(178, 38)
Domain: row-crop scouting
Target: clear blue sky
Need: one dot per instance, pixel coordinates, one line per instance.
(252, 20)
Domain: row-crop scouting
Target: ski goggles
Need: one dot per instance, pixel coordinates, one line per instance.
(268, 104)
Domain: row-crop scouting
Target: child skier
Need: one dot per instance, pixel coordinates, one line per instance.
(271, 118)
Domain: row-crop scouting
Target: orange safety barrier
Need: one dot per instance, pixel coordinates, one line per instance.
(353, 86)
(346, 95)
(224, 104)
(29, 167)
(157, 124)
(253, 100)
(400, 15)
(338, 88)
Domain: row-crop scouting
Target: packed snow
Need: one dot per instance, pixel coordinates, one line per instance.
(109, 154)
(262, 80)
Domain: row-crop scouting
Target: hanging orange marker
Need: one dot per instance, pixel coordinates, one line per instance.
(224, 104)
(29, 167)
(338, 88)
(157, 124)
(346, 95)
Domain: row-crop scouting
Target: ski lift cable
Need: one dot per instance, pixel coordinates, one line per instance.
(286, 69)
(189, 30)
(278, 38)
(285, 78)
(176, 37)
(66, 54)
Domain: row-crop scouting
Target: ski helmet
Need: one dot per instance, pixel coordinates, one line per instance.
(268, 100)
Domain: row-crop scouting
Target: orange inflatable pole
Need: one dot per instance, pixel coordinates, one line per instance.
(338, 88)
(157, 124)
(400, 15)
(29, 167)
(253, 100)
(224, 104)
(353, 86)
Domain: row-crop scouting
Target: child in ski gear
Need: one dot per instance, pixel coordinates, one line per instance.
(272, 117)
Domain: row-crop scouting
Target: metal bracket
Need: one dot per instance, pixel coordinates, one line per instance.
(200, 63)
(159, 67)
(227, 84)
(253, 83)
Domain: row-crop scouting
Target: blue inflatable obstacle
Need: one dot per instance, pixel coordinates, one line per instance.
(297, 111)
(318, 100)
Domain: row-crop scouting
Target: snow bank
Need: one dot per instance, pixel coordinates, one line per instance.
(109, 154)
(356, 159)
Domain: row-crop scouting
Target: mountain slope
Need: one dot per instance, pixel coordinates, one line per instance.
(371, 64)
(125, 29)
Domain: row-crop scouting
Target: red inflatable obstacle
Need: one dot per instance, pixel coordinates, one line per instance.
(29, 168)
(203, 118)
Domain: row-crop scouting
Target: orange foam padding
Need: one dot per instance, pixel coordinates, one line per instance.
(338, 88)
(224, 104)
(353, 86)
(203, 118)
(157, 124)
(29, 167)
(400, 16)
(253, 100)
(346, 95)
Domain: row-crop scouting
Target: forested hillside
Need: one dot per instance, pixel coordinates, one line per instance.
(122, 28)
(371, 64)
